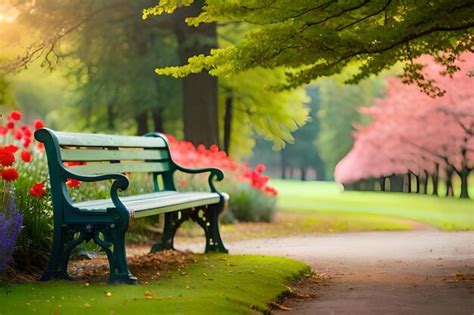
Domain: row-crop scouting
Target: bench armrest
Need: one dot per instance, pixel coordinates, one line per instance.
(121, 182)
(214, 172)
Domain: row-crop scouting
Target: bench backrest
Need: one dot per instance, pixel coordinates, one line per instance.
(105, 154)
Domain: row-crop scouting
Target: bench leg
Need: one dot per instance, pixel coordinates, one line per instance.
(214, 241)
(60, 251)
(119, 272)
(172, 223)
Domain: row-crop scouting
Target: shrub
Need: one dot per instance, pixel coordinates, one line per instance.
(249, 204)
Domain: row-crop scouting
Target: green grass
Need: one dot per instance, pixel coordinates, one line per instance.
(213, 284)
(328, 198)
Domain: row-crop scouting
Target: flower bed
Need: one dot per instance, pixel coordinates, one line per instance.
(25, 216)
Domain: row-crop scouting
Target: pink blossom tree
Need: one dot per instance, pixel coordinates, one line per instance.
(413, 133)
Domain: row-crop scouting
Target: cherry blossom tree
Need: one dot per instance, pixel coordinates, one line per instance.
(413, 133)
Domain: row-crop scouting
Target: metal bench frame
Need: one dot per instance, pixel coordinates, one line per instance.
(107, 228)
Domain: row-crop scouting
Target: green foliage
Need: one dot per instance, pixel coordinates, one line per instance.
(304, 153)
(213, 284)
(44, 94)
(260, 112)
(6, 97)
(339, 116)
(114, 56)
(320, 38)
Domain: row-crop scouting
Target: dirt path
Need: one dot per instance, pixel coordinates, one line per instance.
(413, 272)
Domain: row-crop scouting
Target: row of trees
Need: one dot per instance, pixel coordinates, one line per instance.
(412, 135)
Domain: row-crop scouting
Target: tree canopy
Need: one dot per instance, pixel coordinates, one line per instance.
(320, 38)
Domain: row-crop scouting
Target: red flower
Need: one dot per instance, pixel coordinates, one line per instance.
(40, 146)
(26, 131)
(26, 156)
(9, 174)
(6, 157)
(71, 183)
(26, 142)
(3, 131)
(18, 134)
(260, 168)
(11, 125)
(11, 148)
(37, 190)
(38, 124)
(214, 148)
(15, 115)
(75, 163)
(270, 191)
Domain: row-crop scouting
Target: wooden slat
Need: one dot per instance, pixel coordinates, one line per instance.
(155, 203)
(101, 140)
(112, 168)
(109, 155)
(108, 202)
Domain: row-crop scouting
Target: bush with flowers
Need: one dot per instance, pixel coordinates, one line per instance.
(252, 199)
(26, 214)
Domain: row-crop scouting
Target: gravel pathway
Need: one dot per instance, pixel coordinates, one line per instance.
(409, 272)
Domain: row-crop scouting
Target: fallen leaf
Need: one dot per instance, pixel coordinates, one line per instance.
(280, 307)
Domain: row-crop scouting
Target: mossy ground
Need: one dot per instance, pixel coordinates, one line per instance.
(210, 284)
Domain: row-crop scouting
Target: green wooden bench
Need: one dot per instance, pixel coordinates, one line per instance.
(106, 221)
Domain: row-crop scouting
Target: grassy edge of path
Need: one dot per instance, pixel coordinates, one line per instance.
(212, 284)
(328, 199)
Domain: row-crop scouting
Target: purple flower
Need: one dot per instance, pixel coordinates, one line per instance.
(10, 226)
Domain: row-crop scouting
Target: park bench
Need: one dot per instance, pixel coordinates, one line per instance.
(109, 157)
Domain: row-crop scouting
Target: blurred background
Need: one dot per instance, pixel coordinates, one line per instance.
(89, 66)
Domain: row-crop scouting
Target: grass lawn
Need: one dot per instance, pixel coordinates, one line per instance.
(380, 209)
(212, 284)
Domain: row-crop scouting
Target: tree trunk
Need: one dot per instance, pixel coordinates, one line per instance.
(434, 178)
(449, 182)
(158, 119)
(417, 182)
(283, 164)
(408, 182)
(200, 107)
(229, 100)
(142, 123)
(382, 183)
(464, 182)
(110, 116)
(292, 172)
(396, 183)
(303, 173)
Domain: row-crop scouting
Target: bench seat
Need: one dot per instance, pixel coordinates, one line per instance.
(154, 203)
